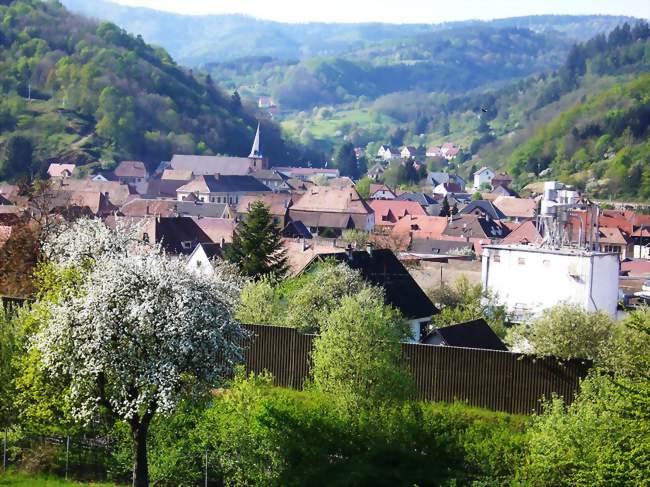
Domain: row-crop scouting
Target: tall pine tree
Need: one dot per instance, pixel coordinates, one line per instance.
(257, 245)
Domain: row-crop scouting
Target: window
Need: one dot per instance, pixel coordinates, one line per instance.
(497, 258)
(186, 244)
(521, 261)
(145, 237)
(198, 263)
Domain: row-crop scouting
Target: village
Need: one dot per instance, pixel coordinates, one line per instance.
(481, 229)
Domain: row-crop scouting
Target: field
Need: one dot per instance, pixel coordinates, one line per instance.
(22, 480)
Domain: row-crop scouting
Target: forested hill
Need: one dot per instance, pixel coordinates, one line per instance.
(85, 91)
(196, 40)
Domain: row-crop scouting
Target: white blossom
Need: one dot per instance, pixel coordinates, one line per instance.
(143, 332)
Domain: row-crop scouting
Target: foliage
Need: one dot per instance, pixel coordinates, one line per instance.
(363, 187)
(99, 93)
(271, 436)
(464, 301)
(357, 357)
(477, 196)
(257, 247)
(346, 161)
(565, 331)
(8, 353)
(357, 238)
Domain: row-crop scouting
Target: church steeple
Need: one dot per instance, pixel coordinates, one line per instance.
(256, 152)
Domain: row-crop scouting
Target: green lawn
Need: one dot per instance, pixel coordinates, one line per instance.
(22, 480)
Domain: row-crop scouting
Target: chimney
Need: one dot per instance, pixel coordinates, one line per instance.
(369, 248)
(349, 253)
(223, 242)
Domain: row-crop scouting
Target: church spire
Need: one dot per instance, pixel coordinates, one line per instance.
(255, 150)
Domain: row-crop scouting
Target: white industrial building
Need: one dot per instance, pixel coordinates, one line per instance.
(528, 279)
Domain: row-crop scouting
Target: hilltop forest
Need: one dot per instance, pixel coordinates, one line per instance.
(82, 91)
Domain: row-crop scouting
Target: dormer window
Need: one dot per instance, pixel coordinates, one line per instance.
(186, 244)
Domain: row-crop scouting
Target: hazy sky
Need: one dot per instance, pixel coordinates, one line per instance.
(400, 11)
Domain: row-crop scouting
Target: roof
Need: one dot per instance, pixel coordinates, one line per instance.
(117, 193)
(388, 212)
(170, 208)
(296, 229)
(611, 235)
(421, 226)
(422, 198)
(473, 334)
(382, 268)
(299, 255)
(436, 247)
(210, 165)
(501, 176)
(177, 175)
(211, 250)
(276, 202)
(482, 170)
(379, 187)
(94, 202)
(484, 207)
(57, 170)
(641, 232)
(269, 175)
(472, 226)
(503, 191)
(306, 171)
(163, 188)
(131, 169)
(179, 235)
(525, 233)
(218, 229)
(335, 200)
(638, 267)
(516, 207)
(223, 184)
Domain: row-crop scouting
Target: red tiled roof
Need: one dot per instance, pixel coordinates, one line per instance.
(421, 226)
(131, 169)
(525, 233)
(389, 212)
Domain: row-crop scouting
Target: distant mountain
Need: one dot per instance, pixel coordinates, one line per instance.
(89, 93)
(195, 40)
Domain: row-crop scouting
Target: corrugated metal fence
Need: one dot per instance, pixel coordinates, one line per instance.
(500, 381)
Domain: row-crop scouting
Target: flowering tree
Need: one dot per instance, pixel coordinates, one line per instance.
(141, 333)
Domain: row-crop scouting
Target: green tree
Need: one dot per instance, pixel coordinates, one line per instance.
(18, 156)
(257, 248)
(445, 210)
(346, 161)
(116, 117)
(357, 356)
(363, 187)
(565, 331)
(477, 196)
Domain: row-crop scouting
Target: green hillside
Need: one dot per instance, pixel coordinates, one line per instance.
(89, 93)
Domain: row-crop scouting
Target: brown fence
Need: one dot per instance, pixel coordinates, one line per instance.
(501, 381)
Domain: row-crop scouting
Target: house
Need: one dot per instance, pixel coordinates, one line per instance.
(307, 173)
(277, 203)
(472, 334)
(376, 172)
(298, 186)
(220, 188)
(322, 207)
(116, 193)
(501, 179)
(219, 230)
(273, 179)
(201, 260)
(437, 178)
(296, 230)
(483, 177)
(171, 208)
(430, 204)
(382, 151)
(503, 191)
(408, 152)
(224, 165)
(484, 209)
(72, 204)
(640, 239)
(382, 268)
(103, 176)
(434, 152)
(389, 212)
(391, 153)
(471, 226)
(381, 192)
(611, 239)
(517, 209)
(178, 235)
(131, 172)
(444, 189)
(56, 170)
(359, 152)
(449, 151)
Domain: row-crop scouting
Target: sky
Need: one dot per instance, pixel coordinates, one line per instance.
(402, 11)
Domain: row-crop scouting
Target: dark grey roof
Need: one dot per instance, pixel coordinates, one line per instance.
(199, 208)
(269, 175)
(160, 188)
(207, 165)
(422, 198)
(382, 268)
(503, 191)
(473, 334)
(435, 247)
(472, 226)
(212, 250)
(234, 184)
(179, 235)
(486, 207)
(296, 229)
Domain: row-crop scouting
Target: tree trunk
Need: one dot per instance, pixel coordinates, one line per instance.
(139, 430)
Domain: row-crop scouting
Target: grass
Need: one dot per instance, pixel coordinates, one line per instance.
(22, 480)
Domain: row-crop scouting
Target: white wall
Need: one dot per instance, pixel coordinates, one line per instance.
(529, 281)
(482, 178)
(199, 263)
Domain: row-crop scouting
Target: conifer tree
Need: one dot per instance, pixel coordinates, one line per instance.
(444, 209)
(257, 245)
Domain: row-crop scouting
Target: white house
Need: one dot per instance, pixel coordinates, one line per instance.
(528, 279)
(408, 151)
(483, 176)
(201, 260)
